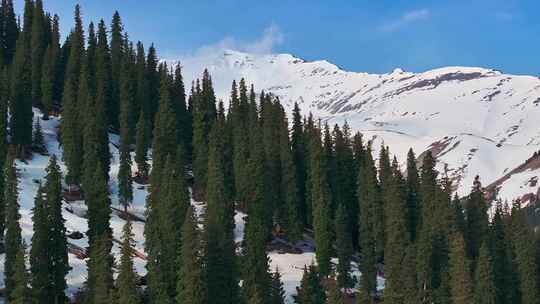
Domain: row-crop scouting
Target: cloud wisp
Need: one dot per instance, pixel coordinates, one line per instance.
(265, 44)
(405, 19)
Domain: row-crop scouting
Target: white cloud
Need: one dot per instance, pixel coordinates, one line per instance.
(405, 19)
(265, 44)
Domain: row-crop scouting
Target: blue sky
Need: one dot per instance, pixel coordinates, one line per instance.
(358, 35)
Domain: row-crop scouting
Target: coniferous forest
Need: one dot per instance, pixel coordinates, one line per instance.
(296, 177)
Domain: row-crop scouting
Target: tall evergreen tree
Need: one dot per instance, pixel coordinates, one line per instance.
(484, 289)
(141, 158)
(126, 283)
(118, 51)
(38, 45)
(476, 220)
(49, 75)
(277, 294)
(71, 126)
(299, 159)
(310, 290)
(3, 145)
(10, 31)
(39, 256)
(21, 99)
(460, 281)
(191, 285)
(321, 199)
(219, 252)
(344, 248)
(413, 195)
(20, 293)
(12, 240)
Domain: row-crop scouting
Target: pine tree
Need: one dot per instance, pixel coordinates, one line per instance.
(38, 45)
(367, 198)
(484, 289)
(299, 159)
(12, 240)
(10, 30)
(20, 293)
(126, 283)
(71, 126)
(118, 51)
(3, 145)
(219, 252)
(321, 199)
(39, 252)
(344, 249)
(408, 270)
(38, 142)
(256, 278)
(152, 76)
(310, 290)
(127, 100)
(277, 294)
(476, 220)
(460, 281)
(100, 281)
(141, 158)
(397, 235)
(501, 264)
(413, 199)
(190, 285)
(21, 99)
(50, 71)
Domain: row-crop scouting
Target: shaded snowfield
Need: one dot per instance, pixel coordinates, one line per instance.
(32, 171)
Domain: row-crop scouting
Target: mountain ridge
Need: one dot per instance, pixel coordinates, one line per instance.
(488, 116)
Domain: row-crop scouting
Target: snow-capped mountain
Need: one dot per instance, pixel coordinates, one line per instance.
(476, 121)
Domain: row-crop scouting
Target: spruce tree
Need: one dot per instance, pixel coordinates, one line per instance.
(413, 195)
(277, 294)
(344, 249)
(367, 198)
(39, 252)
(191, 285)
(118, 51)
(70, 125)
(20, 293)
(460, 282)
(10, 30)
(484, 289)
(57, 241)
(100, 281)
(50, 71)
(3, 145)
(476, 220)
(219, 251)
(12, 240)
(38, 142)
(298, 147)
(21, 99)
(397, 235)
(141, 158)
(38, 45)
(126, 282)
(321, 199)
(310, 291)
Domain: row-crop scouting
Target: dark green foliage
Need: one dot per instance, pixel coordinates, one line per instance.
(191, 285)
(20, 293)
(367, 199)
(408, 270)
(321, 200)
(51, 70)
(118, 51)
(484, 289)
(460, 281)
(204, 114)
(335, 296)
(344, 248)
(12, 240)
(298, 146)
(3, 147)
(219, 252)
(476, 224)
(38, 142)
(38, 46)
(413, 195)
(310, 290)
(141, 149)
(21, 99)
(100, 281)
(39, 256)
(10, 31)
(71, 126)
(126, 283)
(277, 293)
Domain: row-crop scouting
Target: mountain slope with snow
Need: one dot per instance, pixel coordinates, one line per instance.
(477, 121)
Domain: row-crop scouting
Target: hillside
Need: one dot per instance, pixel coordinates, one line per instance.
(477, 121)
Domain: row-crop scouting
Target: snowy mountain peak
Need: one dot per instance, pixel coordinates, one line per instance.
(477, 121)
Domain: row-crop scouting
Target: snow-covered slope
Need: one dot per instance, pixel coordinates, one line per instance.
(478, 121)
